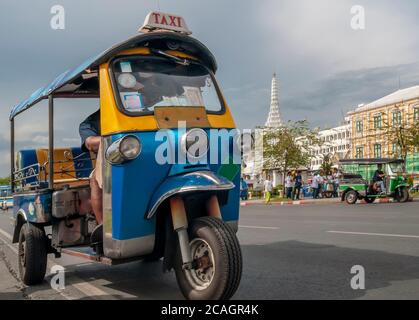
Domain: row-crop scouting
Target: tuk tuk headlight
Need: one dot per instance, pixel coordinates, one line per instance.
(125, 149)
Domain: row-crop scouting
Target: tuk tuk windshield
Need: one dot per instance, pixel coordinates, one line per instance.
(143, 83)
(396, 167)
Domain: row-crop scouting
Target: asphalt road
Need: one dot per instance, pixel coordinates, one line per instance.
(289, 252)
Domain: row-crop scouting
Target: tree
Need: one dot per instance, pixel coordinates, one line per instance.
(5, 181)
(286, 147)
(403, 134)
(327, 164)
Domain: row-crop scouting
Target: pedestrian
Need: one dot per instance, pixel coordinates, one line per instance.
(297, 186)
(315, 185)
(289, 185)
(268, 187)
(336, 182)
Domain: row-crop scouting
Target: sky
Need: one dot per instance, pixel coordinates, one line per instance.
(324, 67)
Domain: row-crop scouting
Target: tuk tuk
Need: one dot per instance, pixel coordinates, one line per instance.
(357, 182)
(158, 100)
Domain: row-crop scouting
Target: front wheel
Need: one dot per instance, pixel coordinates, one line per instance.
(351, 197)
(32, 252)
(217, 262)
(402, 195)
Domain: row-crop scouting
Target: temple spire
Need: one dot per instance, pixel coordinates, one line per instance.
(274, 118)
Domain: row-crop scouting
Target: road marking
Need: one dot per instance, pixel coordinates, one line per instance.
(6, 234)
(375, 234)
(91, 290)
(257, 227)
(82, 286)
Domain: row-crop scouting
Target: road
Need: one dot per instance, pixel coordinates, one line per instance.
(289, 252)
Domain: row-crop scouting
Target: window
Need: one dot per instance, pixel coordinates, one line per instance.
(377, 122)
(377, 150)
(359, 152)
(143, 83)
(395, 148)
(359, 126)
(397, 118)
(416, 114)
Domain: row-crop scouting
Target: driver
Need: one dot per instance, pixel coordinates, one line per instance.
(89, 131)
(378, 178)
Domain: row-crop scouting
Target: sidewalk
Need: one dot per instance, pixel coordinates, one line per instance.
(312, 201)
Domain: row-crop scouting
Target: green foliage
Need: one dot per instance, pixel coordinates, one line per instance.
(4, 181)
(327, 164)
(284, 147)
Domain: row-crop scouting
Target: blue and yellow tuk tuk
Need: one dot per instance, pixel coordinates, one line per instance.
(170, 174)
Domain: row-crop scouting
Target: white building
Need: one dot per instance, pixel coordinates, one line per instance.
(334, 142)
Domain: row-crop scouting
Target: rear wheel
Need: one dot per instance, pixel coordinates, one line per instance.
(32, 252)
(217, 262)
(351, 197)
(402, 195)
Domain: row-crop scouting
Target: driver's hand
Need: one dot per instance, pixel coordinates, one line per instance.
(93, 143)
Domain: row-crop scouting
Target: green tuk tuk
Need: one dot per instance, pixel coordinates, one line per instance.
(358, 182)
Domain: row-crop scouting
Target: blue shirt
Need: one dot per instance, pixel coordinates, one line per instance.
(89, 128)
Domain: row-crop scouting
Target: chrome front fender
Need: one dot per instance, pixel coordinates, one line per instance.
(187, 183)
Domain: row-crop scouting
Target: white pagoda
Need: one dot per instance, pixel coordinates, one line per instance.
(274, 118)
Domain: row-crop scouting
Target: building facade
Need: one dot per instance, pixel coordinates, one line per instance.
(334, 142)
(369, 124)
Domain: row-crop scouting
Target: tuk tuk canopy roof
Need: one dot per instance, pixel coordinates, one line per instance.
(82, 81)
(370, 161)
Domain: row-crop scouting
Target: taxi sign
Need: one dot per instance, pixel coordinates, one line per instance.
(158, 21)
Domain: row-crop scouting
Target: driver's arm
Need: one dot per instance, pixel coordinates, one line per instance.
(90, 133)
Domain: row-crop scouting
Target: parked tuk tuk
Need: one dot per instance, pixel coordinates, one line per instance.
(157, 90)
(357, 182)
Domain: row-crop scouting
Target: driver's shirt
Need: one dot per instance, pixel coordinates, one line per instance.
(89, 128)
(377, 176)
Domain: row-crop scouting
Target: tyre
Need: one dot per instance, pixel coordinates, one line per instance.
(32, 253)
(214, 245)
(402, 195)
(351, 197)
(369, 199)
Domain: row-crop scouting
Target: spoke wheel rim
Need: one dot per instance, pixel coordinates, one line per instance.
(201, 278)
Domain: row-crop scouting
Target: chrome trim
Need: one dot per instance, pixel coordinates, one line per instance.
(107, 194)
(209, 175)
(122, 249)
(21, 212)
(113, 152)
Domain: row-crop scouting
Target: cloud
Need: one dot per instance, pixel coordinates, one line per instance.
(339, 93)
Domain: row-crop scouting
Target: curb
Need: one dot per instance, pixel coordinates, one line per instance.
(316, 202)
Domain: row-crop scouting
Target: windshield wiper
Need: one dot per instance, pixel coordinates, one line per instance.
(183, 62)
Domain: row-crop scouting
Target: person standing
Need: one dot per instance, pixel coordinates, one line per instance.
(315, 185)
(336, 181)
(289, 185)
(268, 187)
(298, 186)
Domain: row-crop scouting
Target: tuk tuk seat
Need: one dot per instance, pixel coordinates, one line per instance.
(72, 167)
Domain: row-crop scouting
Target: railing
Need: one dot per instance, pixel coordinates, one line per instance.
(36, 175)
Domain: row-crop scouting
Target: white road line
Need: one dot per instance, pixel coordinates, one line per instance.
(91, 290)
(257, 227)
(6, 234)
(375, 234)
